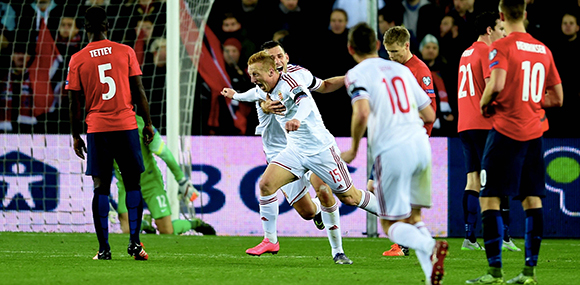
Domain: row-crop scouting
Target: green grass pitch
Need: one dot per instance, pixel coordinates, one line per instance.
(55, 258)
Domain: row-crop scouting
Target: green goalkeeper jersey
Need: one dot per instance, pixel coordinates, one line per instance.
(151, 178)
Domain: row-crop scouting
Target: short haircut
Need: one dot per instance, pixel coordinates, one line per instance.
(341, 11)
(264, 58)
(397, 34)
(513, 10)
(484, 20)
(363, 39)
(271, 44)
(96, 20)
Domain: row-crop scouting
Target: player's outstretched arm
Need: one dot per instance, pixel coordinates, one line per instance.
(361, 110)
(554, 96)
(248, 96)
(139, 99)
(76, 123)
(331, 84)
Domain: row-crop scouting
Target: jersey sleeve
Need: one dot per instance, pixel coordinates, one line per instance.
(73, 81)
(251, 95)
(497, 57)
(426, 81)
(421, 97)
(134, 68)
(355, 87)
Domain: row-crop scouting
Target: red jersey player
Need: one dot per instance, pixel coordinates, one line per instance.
(522, 70)
(397, 42)
(473, 127)
(109, 75)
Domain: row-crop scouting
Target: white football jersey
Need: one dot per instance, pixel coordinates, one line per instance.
(312, 136)
(274, 136)
(395, 99)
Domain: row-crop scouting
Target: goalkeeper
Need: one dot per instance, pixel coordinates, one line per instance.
(154, 193)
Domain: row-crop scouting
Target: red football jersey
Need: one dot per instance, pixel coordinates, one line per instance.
(423, 75)
(101, 71)
(473, 69)
(530, 69)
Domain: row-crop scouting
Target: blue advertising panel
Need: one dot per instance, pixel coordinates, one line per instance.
(562, 202)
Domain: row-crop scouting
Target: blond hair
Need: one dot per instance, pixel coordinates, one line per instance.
(397, 34)
(264, 58)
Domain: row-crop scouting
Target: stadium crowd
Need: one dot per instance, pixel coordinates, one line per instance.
(38, 37)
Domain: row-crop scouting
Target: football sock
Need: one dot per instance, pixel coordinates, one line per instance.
(316, 202)
(157, 146)
(492, 236)
(470, 209)
(424, 259)
(368, 202)
(331, 220)
(181, 226)
(269, 214)
(533, 235)
(101, 219)
(423, 245)
(423, 228)
(134, 202)
(505, 215)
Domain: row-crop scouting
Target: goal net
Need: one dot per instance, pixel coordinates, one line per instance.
(42, 182)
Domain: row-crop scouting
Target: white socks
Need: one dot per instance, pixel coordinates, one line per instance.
(269, 210)
(331, 220)
(413, 237)
(368, 202)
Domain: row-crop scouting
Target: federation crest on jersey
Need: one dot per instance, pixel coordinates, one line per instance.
(492, 54)
(280, 95)
(426, 80)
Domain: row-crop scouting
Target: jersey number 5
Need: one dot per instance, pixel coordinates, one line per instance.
(534, 78)
(467, 74)
(107, 80)
(398, 83)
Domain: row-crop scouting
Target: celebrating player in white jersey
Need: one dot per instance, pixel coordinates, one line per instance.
(386, 96)
(308, 138)
(274, 141)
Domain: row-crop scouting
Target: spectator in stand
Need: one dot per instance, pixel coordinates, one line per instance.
(154, 82)
(291, 17)
(132, 12)
(7, 17)
(239, 79)
(68, 41)
(420, 17)
(565, 51)
(232, 28)
(144, 31)
(445, 124)
(15, 83)
(464, 13)
(357, 9)
(450, 48)
(336, 62)
(389, 16)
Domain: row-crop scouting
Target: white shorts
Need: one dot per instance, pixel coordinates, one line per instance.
(403, 179)
(327, 165)
(294, 191)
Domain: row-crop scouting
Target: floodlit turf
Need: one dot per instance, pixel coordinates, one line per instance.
(53, 258)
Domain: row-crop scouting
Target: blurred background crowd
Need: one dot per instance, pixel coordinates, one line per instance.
(38, 37)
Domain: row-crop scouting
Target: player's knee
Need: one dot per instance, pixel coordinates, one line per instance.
(266, 188)
(102, 189)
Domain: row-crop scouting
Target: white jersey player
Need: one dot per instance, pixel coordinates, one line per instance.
(296, 193)
(387, 100)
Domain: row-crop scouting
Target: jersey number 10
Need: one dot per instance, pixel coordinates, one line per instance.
(533, 83)
(398, 83)
(107, 80)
